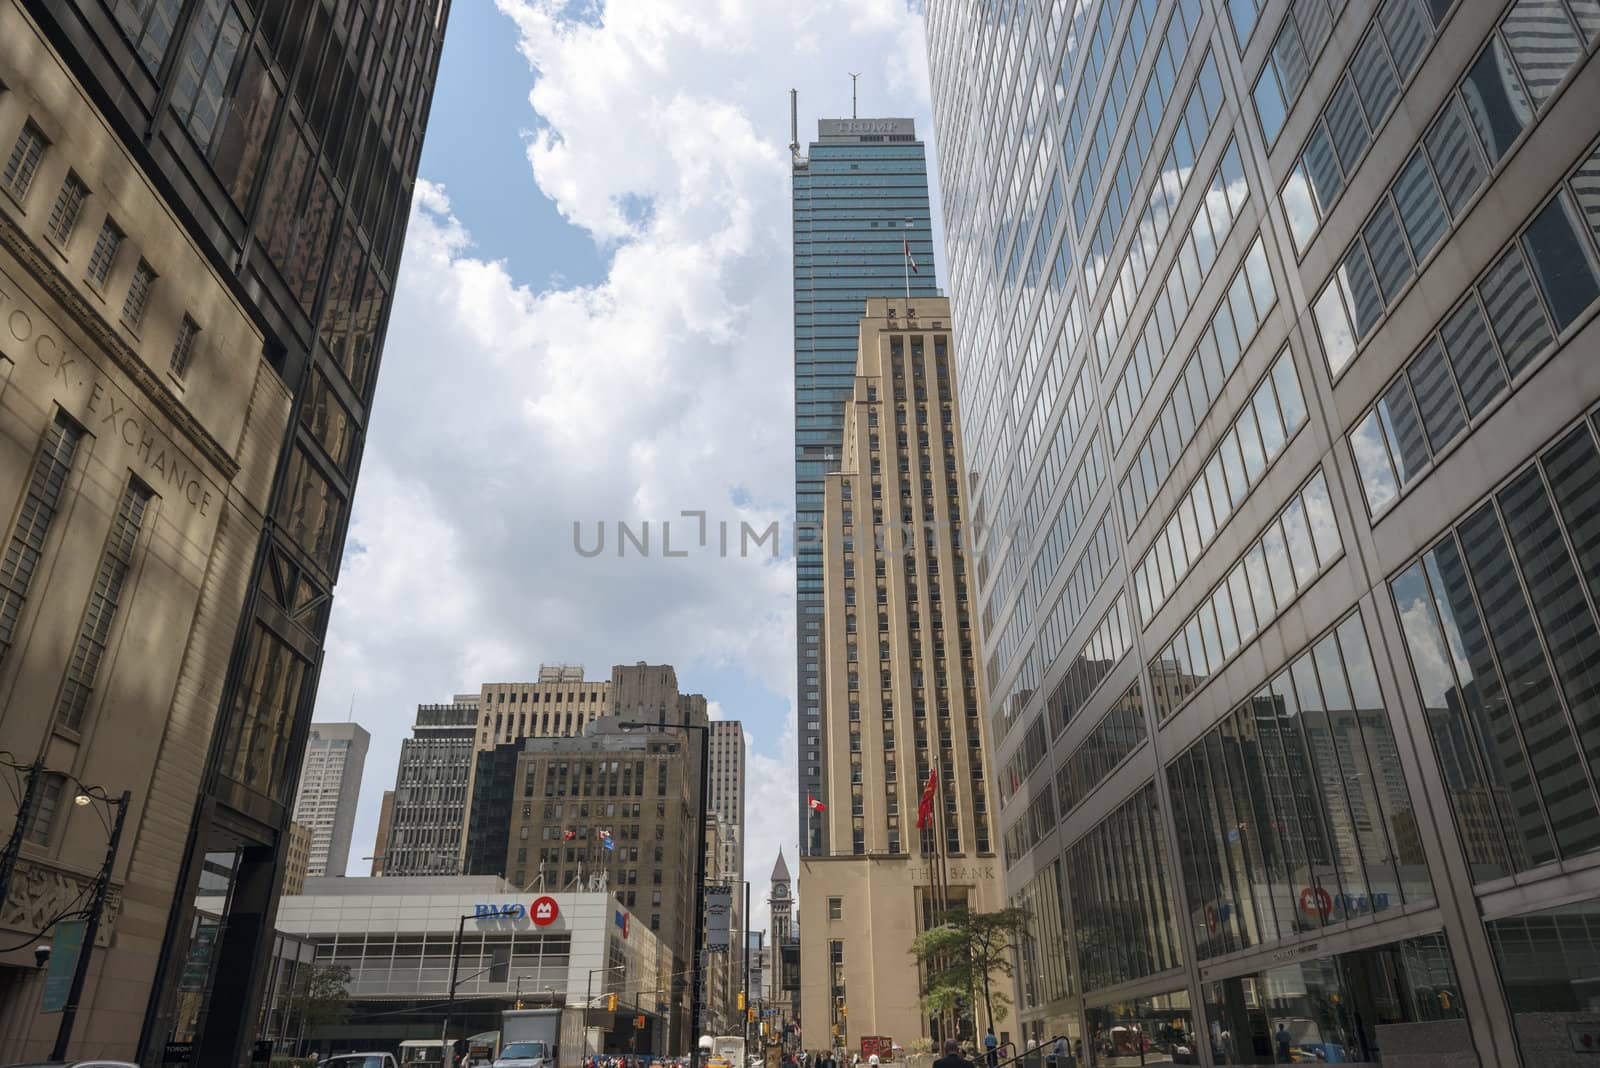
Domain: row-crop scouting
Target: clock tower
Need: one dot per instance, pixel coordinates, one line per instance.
(781, 903)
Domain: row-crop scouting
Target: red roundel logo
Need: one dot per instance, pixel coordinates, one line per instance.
(544, 911)
(1314, 902)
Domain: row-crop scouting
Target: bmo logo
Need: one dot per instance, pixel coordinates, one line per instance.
(544, 911)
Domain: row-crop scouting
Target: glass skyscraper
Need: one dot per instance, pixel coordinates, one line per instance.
(1280, 374)
(860, 196)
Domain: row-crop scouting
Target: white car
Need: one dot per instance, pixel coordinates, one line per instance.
(523, 1055)
(359, 1060)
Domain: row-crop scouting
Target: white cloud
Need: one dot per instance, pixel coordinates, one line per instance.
(506, 412)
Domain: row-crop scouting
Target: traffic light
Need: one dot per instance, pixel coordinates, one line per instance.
(741, 1001)
(611, 1003)
(638, 1023)
(750, 1015)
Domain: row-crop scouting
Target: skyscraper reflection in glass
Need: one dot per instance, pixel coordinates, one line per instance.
(1277, 326)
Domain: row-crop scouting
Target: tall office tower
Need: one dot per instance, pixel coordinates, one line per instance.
(727, 801)
(380, 840)
(203, 205)
(609, 808)
(330, 786)
(294, 872)
(860, 199)
(903, 699)
(1277, 334)
(429, 812)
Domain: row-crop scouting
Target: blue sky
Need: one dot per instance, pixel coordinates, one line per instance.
(593, 325)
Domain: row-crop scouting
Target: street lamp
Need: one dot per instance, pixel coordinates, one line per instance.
(88, 795)
(697, 979)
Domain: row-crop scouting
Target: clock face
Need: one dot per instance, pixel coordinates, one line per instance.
(780, 891)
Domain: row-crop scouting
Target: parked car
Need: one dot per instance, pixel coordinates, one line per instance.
(360, 1060)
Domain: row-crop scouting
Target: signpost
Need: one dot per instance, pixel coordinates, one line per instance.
(67, 944)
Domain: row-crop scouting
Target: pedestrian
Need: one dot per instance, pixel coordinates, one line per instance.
(991, 1048)
(952, 1056)
(1059, 1053)
(1283, 1039)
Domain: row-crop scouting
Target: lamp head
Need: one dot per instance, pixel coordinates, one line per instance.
(41, 954)
(81, 800)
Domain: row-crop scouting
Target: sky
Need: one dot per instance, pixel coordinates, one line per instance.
(593, 325)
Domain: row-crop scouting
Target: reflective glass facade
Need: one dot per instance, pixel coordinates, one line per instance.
(860, 201)
(1234, 283)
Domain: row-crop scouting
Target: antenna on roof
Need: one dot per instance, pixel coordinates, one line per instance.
(794, 122)
(853, 78)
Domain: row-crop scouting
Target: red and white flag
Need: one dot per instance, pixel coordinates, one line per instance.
(816, 806)
(905, 243)
(925, 806)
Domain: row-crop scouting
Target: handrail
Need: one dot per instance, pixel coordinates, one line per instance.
(1042, 1050)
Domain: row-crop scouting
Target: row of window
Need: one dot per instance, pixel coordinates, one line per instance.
(1203, 106)
(1393, 245)
(1293, 813)
(1298, 545)
(1240, 312)
(1069, 517)
(1120, 886)
(1120, 731)
(1176, 296)
(17, 179)
(1160, 211)
(1325, 166)
(1261, 430)
(1505, 322)
(1174, 38)
(1500, 621)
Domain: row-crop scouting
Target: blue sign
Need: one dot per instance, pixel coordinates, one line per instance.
(66, 944)
(499, 912)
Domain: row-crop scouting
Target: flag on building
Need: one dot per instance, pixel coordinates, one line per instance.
(567, 836)
(925, 806)
(605, 839)
(816, 806)
(911, 260)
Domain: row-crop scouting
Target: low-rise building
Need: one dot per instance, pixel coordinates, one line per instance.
(398, 937)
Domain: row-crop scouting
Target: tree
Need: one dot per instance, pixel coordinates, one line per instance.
(318, 998)
(963, 954)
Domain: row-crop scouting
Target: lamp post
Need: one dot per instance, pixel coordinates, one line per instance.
(69, 1012)
(450, 999)
(697, 979)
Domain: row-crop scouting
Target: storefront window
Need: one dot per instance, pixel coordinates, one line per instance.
(1343, 1009)
(1141, 1031)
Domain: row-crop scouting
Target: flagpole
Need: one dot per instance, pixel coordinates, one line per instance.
(906, 248)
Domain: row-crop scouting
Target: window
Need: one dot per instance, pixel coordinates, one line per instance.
(1562, 262)
(46, 804)
(69, 202)
(1495, 101)
(17, 567)
(138, 299)
(836, 908)
(24, 161)
(204, 67)
(183, 348)
(105, 252)
(1469, 624)
(115, 563)
(148, 26)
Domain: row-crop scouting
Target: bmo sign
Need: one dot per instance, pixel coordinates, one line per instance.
(544, 911)
(498, 912)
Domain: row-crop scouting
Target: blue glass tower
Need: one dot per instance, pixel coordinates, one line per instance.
(860, 195)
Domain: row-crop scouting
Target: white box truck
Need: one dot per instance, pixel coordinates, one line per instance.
(529, 1038)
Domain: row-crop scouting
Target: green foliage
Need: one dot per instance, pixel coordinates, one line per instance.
(319, 997)
(959, 959)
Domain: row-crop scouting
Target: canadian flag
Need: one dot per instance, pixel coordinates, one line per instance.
(905, 243)
(816, 806)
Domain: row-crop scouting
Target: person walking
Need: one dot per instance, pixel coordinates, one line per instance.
(952, 1056)
(991, 1048)
(1283, 1039)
